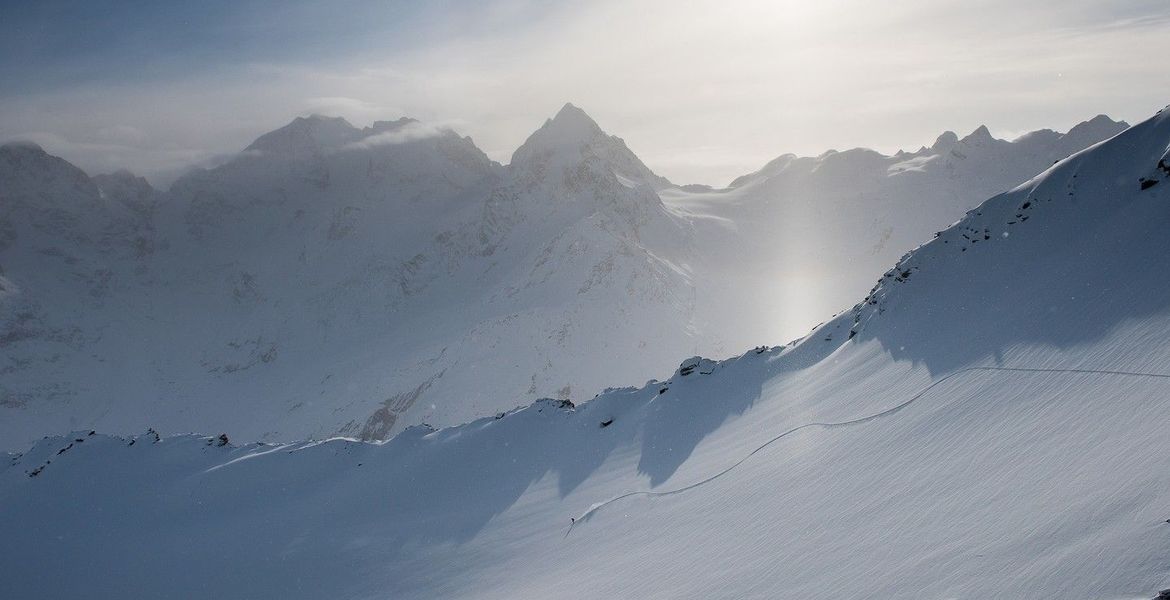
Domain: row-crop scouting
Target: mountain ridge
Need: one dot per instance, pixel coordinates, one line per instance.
(326, 289)
(1041, 470)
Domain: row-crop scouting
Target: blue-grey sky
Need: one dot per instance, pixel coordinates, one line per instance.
(702, 90)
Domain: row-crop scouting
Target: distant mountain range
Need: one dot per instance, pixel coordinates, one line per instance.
(988, 421)
(335, 280)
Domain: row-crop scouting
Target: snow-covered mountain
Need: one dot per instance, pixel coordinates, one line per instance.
(333, 280)
(988, 422)
(775, 234)
(71, 246)
(341, 280)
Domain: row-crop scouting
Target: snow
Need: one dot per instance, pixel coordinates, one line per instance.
(987, 422)
(572, 137)
(336, 280)
(329, 281)
(774, 235)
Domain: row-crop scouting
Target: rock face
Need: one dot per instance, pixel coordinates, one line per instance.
(332, 279)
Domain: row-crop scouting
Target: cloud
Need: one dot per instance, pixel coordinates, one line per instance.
(408, 132)
(354, 109)
(122, 134)
(675, 80)
(96, 156)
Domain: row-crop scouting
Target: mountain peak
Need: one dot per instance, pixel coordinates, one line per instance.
(980, 135)
(384, 126)
(121, 177)
(572, 115)
(945, 141)
(22, 146)
(26, 158)
(305, 134)
(1099, 126)
(570, 126)
(571, 137)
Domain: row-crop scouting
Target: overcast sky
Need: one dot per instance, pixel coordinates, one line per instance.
(703, 90)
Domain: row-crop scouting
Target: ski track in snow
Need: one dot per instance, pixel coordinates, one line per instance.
(594, 509)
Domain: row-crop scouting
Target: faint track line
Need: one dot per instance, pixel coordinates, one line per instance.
(830, 425)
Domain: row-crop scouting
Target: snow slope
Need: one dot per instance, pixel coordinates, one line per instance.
(987, 423)
(850, 214)
(341, 280)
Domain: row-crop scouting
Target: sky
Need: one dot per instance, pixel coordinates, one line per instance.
(703, 90)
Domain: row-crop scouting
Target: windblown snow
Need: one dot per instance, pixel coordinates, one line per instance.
(988, 422)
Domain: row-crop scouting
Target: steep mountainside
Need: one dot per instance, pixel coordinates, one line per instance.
(989, 422)
(776, 233)
(340, 280)
(69, 248)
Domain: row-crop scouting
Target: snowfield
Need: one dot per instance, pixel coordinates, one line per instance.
(988, 422)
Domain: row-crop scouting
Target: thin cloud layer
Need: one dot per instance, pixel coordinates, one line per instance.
(406, 133)
(740, 82)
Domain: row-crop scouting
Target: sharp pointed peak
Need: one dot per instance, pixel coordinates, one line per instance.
(981, 134)
(571, 135)
(572, 120)
(571, 128)
(571, 111)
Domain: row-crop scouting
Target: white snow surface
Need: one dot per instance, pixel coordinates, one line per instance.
(989, 422)
(805, 236)
(334, 280)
